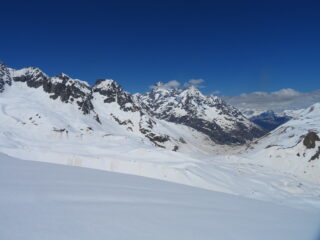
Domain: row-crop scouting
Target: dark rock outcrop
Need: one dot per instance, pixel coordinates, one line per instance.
(310, 140)
(316, 155)
(61, 86)
(5, 78)
(113, 92)
(32, 76)
(69, 90)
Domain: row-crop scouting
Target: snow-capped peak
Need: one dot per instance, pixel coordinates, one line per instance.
(315, 108)
(192, 91)
(106, 84)
(67, 80)
(30, 71)
(62, 76)
(207, 114)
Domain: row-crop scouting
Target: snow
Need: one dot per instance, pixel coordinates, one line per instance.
(45, 201)
(33, 71)
(30, 124)
(35, 127)
(283, 148)
(176, 102)
(105, 84)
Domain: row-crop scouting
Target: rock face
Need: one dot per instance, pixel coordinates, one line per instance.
(60, 86)
(116, 104)
(5, 78)
(113, 92)
(210, 115)
(315, 156)
(32, 76)
(310, 140)
(120, 105)
(269, 120)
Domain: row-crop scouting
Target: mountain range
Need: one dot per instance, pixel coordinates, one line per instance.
(142, 114)
(177, 135)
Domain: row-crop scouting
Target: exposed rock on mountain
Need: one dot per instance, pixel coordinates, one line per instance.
(111, 100)
(310, 140)
(5, 78)
(113, 92)
(147, 116)
(60, 86)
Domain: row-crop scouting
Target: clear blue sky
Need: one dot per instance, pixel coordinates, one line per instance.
(236, 46)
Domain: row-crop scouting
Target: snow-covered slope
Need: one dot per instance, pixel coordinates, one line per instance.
(41, 105)
(43, 201)
(286, 148)
(35, 127)
(63, 120)
(210, 115)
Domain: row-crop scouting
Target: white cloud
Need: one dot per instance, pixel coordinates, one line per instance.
(194, 82)
(176, 84)
(172, 84)
(288, 92)
(168, 85)
(216, 92)
(284, 99)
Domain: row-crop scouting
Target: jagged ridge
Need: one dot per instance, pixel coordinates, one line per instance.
(210, 115)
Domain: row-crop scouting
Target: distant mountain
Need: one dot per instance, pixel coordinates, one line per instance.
(278, 101)
(269, 120)
(209, 115)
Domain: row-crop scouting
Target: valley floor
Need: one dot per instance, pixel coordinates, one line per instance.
(48, 201)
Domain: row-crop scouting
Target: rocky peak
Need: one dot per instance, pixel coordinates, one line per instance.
(210, 115)
(113, 92)
(5, 78)
(33, 76)
(192, 91)
(70, 90)
(107, 84)
(61, 87)
(63, 76)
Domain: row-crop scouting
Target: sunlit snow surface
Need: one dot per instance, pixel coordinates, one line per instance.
(45, 201)
(29, 117)
(31, 124)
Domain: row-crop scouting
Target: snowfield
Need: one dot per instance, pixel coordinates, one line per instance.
(38, 128)
(65, 121)
(45, 201)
